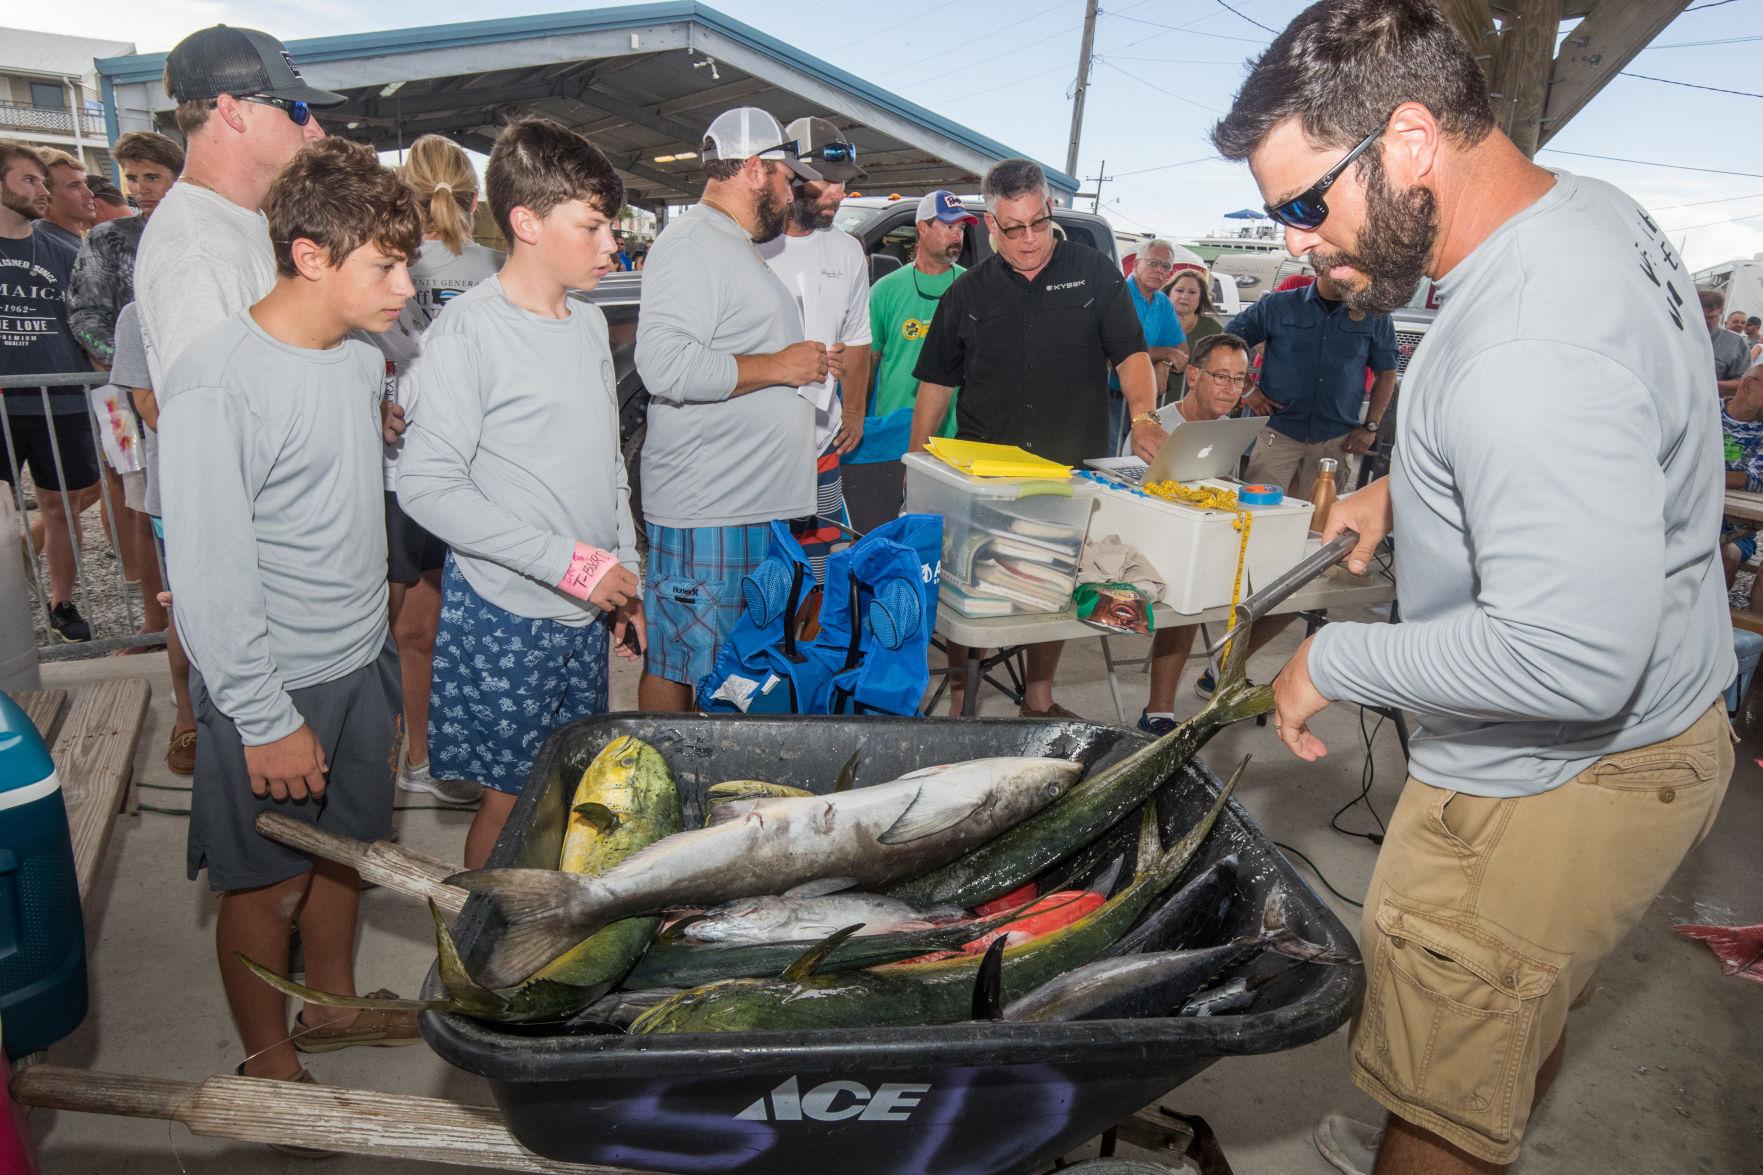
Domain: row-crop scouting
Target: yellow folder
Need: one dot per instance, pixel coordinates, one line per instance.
(983, 460)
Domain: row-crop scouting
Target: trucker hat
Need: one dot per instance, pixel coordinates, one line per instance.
(747, 132)
(944, 206)
(225, 60)
(825, 147)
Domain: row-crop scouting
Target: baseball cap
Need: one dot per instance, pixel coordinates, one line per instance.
(826, 147)
(746, 132)
(225, 60)
(944, 206)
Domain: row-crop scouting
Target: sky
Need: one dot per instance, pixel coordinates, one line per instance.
(1163, 71)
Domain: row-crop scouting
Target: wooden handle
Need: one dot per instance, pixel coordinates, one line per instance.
(381, 862)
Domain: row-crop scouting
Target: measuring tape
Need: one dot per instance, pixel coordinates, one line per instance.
(1208, 498)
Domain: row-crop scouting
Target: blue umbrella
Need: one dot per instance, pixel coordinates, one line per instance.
(1245, 214)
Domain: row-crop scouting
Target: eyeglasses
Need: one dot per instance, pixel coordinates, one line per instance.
(1017, 232)
(1224, 377)
(298, 112)
(1148, 263)
(1307, 210)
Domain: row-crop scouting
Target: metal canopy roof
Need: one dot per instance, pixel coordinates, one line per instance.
(641, 82)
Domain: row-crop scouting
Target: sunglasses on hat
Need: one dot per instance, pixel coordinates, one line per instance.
(1307, 210)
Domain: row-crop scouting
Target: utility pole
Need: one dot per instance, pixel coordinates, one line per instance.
(1101, 177)
(1083, 85)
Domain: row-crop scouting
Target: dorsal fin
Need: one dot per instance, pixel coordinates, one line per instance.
(988, 984)
(848, 773)
(1150, 839)
(600, 816)
(815, 955)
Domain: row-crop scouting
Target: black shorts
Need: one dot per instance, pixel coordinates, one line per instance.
(353, 719)
(31, 438)
(410, 550)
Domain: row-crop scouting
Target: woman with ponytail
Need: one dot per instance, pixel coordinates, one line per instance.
(451, 262)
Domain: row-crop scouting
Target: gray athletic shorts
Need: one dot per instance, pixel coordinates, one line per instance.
(353, 719)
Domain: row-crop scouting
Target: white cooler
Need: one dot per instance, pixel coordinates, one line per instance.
(1195, 550)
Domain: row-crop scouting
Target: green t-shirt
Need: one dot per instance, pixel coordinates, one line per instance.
(900, 309)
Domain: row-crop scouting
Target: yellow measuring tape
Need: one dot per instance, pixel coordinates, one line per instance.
(1208, 498)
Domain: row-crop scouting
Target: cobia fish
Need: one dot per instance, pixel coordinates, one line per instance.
(869, 836)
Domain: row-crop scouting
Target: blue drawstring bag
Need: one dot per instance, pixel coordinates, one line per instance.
(878, 616)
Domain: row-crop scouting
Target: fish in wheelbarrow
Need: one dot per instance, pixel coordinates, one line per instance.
(783, 918)
(939, 992)
(1158, 983)
(1087, 810)
(867, 837)
(626, 801)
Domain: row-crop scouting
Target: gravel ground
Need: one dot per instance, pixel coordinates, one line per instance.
(111, 606)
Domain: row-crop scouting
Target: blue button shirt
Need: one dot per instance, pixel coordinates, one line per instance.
(1157, 319)
(1315, 360)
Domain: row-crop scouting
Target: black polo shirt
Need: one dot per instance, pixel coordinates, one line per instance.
(1031, 358)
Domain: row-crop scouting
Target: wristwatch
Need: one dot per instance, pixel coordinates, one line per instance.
(1369, 426)
(1147, 418)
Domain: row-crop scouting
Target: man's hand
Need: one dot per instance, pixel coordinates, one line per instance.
(630, 630)
(1260, 405)
(1295, 702)
(835, 360)
(802, 363)
(850, 433)
(1147, 437)
(616, 589)
(1366, 512)
(392, 422)
(290, 768)
(1360, 440)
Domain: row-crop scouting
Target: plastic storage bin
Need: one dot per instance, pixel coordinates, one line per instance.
(1010, 545)
(1195, 550)
(974, 1098)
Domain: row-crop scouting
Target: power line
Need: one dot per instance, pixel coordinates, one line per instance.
(1711, 4)
(1654, 163)
(1033, 77)
(1166, 166)
(1690, 85)
(1705, 44)
(1153, 85)
(1700, 203)
(1250, 19)
(964, 47)
(1711, 223)
(1193, 32)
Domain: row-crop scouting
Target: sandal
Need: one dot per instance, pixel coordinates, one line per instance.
(303, 1077)
(380, 1027)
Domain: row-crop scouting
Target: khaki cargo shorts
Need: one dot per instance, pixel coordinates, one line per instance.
(1487, 920)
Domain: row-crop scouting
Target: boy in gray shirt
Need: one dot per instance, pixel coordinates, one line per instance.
(270, 480)
(512, 459)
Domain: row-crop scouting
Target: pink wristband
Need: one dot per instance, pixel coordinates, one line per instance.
(587, 567)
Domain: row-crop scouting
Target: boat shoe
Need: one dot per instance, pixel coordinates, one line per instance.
(383, 1028)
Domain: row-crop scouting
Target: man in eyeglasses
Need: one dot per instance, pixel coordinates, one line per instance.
(1028, 335)
(1572, 745)
(205, 254)
(1164, 342)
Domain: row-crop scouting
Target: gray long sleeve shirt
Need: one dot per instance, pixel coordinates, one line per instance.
(512, 455)
(1557, 492)
(275, 524)
(711, 458)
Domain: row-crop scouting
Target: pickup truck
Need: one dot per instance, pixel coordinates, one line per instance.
(887, 227)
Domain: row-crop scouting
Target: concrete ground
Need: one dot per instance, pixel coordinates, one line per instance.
(1664, 1073)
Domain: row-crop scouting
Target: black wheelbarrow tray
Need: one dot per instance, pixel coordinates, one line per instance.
(984, 1098)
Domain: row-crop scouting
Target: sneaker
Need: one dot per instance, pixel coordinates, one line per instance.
(68, 625)
(379, 1027)
(180, 753)
(1155, 727)
(1350, 1146)
(1207, 685)
(448, 791)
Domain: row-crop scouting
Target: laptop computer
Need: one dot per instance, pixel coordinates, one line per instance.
(1196, 449)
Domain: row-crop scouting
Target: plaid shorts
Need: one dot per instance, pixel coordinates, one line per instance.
(504, 683)
(692, 593)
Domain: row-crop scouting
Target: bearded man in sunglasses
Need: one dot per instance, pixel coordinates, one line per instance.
(1571, 746)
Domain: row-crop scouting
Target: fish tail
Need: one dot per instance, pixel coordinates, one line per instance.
(325, 999)
(1278, 937)
(545, 912)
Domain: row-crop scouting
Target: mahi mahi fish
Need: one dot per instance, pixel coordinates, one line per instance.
(867, 837)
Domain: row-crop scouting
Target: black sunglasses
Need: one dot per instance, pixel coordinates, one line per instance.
(297, 111)
(834, 153)
(1307, 210)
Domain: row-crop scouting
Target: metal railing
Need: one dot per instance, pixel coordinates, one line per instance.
(19, 116)
(90, 586)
